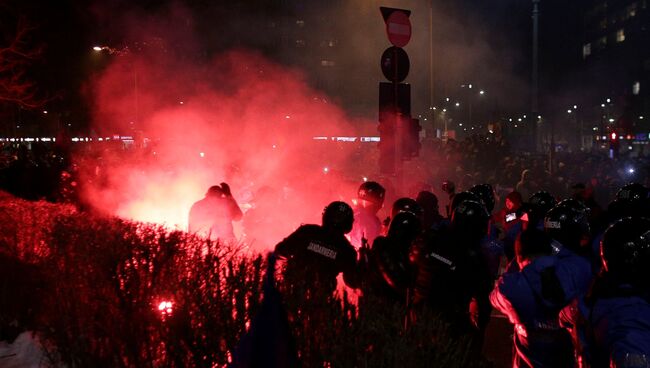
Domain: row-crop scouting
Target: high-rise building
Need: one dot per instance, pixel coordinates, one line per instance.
(615, 59)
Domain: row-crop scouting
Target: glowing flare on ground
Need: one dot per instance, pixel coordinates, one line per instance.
(165, 307)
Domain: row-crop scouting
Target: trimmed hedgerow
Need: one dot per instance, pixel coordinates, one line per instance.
(97, 285)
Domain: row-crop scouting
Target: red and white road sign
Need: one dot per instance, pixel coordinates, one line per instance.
(398, 28)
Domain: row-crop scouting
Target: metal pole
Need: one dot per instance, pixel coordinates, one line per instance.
(535, 76)
(135, 89)
(446, 132)
(535, 72)
(433, 113)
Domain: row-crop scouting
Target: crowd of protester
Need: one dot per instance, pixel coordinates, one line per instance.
(560, 244)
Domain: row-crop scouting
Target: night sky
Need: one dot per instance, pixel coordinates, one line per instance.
(470, 38)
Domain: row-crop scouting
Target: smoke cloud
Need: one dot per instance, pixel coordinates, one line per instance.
(204, 109)
(237, 118)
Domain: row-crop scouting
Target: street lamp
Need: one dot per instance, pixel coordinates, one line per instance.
(111, 50)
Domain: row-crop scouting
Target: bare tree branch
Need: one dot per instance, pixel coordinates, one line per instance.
(15, 59)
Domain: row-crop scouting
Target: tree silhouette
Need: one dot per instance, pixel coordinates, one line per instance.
(16, 56)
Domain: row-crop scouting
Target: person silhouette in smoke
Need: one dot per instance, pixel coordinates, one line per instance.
(213, 215)
(367, 225)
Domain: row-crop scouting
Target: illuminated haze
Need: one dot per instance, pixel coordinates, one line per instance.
(237, 115)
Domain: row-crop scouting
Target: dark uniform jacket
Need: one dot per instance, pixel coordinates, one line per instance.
(316, 256)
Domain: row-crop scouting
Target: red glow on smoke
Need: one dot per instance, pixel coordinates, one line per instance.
(244, 120)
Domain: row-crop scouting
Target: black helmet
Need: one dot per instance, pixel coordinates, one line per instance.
(371, 191)
(485, 194)
(462, 196)
(617, 209)
(404, 227)
(427, 200)
(632, 192)
(470, 218)
(406, 204)
(539, 204)
(542, 201)
(574, 204)
(625, 250)
(567, 225)
(338, 216)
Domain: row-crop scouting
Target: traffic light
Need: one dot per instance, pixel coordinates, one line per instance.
(613, 145)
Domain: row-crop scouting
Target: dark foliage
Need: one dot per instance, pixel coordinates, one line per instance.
(98, 284)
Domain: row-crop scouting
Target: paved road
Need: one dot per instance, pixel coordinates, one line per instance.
(498, 341)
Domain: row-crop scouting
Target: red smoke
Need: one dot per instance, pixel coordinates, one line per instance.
(240, 119)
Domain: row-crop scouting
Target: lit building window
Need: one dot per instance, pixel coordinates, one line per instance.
(586, 50)
(300, 43)
(327, 63)
(631, 11)
(620, 35)
(602, 42)
(300, 23)
(636, 88)
(328, 43)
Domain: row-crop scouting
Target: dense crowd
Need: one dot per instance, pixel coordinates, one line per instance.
(574, 282)
(529, 235)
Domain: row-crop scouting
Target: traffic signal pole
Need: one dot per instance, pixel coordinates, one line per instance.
(395, 124)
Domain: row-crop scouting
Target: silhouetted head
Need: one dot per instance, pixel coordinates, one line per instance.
(338, 216)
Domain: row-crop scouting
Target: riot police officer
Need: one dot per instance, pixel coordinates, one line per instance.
(538, 206)
(532, 299)
(315, 254)
(431, 217)
(569, 228)
(611, 325)
(485, 194)
(388, 270)
(367, 225)
(452, 275)
(630, 201)
(492, 247)
(404, 204)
